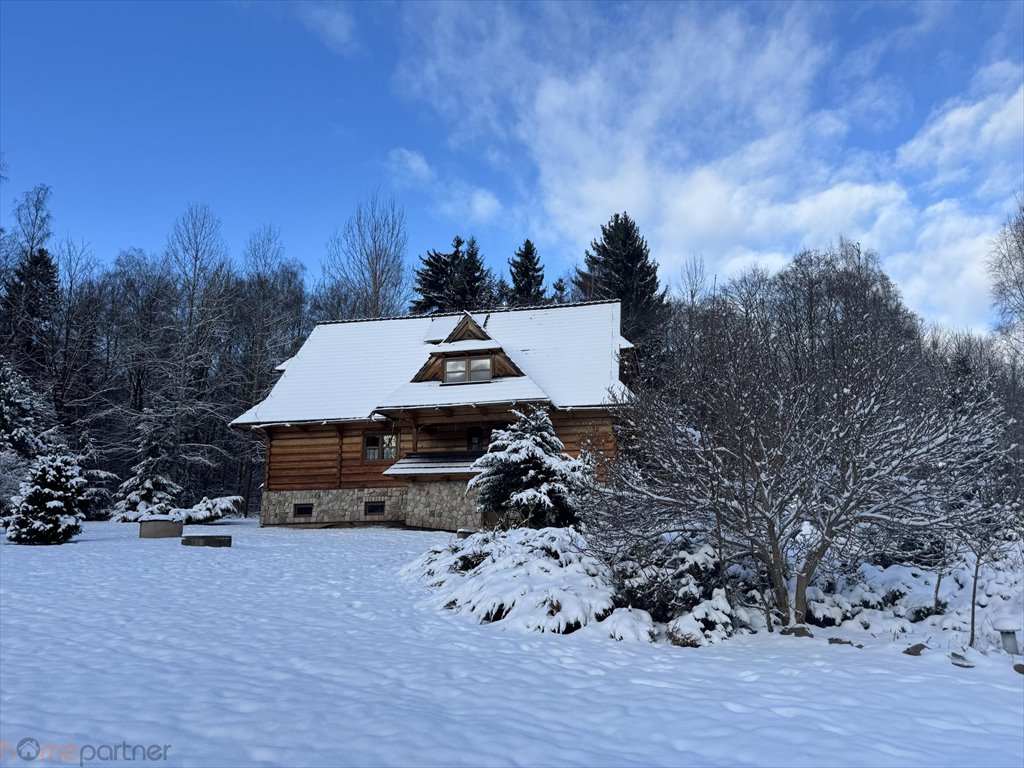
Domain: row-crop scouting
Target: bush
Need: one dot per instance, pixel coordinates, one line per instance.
(538, 580)
(47, 508)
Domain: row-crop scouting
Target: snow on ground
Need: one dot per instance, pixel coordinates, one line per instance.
(304, 648)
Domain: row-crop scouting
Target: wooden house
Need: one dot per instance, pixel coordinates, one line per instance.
(379, 421)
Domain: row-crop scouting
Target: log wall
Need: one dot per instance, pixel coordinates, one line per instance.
(331, 456)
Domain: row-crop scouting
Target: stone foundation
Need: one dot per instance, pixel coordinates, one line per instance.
(443, 506)
(338, 506)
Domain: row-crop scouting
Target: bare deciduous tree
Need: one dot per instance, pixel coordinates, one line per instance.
(365, 261)
(797, 415)
(1006, 267)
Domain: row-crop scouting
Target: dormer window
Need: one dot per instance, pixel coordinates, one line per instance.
(467, 370)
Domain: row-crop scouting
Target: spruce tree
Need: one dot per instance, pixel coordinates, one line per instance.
(474, 289)
(436, 280)
(525, 478)
(47, 507)
(149, 491)
(559, 292)
(527, 277)
(619, 266)
(22, 415)
(29, 304)
(455, 281)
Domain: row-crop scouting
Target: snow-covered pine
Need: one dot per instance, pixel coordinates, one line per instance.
(525, 478)
(13, 468)
(46, 510)
(149, 491)
(22, 415)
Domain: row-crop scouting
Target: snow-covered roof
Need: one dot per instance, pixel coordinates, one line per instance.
(423, 394)
(348, 370)
(434, 464)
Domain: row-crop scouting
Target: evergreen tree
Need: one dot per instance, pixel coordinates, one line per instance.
(26, 315)
(619, 266)
(436, 280)
(149, 491)
(47, 508)
(525, 477)
(474, 279)
(559, 292)
(501, 293)
(455, 281)
(22, 415)
(527, 277)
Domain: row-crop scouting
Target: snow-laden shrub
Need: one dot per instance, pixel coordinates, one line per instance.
(209, 510)
(537, 580)
(46, 509)
(666, 580)
(525, 478)
(628, 624)
(901, 599)
(708, 622)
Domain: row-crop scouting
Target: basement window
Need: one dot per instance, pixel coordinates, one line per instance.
(302, 510)
(371, 508)
(466, 370)
(381, 447)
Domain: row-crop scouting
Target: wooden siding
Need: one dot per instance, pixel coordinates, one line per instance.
(326, 457)
(302, 458)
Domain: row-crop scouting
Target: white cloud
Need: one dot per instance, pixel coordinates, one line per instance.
(979, 139)
(711, 127)
(331, 22)
(455, 198)
(408, 167)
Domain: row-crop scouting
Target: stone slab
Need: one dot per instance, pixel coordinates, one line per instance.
(206, 541)
(160, 529)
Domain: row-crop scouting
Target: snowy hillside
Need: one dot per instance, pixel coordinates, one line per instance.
(306, 648)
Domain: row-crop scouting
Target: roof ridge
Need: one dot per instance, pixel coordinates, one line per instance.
(482, 310)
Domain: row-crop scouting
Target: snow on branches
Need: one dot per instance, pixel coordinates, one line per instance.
(525, 477)
(47, 509)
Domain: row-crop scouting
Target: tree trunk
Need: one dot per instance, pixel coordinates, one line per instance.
(781, 590)
(974, 597)
(935, 598)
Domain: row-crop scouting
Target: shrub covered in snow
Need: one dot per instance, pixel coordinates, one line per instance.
(525, 477)
(47, 507)
(210, 510)
(708, 622)
(898, 600)
(538, 580)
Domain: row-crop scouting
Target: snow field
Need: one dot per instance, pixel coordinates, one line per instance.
(306, 648)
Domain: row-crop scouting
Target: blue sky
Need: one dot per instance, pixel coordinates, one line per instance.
(740, 133)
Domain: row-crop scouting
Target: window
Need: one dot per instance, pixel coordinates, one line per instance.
(380, 447)
(460, 370)
(302, 510)
(373, 508)
(475, 439)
